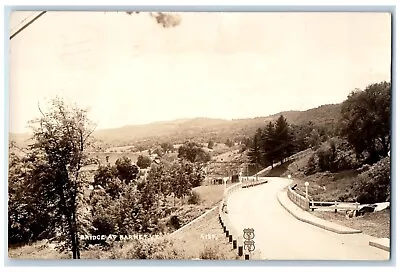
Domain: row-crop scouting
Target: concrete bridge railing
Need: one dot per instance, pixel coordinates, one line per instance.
(297, 199)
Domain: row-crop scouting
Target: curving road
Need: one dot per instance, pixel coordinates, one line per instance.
(280, 236)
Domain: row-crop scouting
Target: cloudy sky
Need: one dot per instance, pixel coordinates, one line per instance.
(131, 70)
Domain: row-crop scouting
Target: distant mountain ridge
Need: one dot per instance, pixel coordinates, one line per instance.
(203, 129)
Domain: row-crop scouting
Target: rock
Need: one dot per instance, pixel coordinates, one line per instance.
(381, 206)
(367, 209)
(349, 214)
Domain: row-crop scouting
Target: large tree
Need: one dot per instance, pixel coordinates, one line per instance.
(365, 120)
(143, 161)
(126, 170)
(167, 147)
(283, 138)
(255, 153)
(29, 215)
(193, 152)
(269, 144)
(61, 137)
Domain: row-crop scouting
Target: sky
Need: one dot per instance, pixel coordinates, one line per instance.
(127, 69)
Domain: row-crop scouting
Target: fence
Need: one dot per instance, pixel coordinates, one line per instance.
(253, 181)
(300, 154)
(234, 237)
(334, 205)
(231, 233)
(307, 204)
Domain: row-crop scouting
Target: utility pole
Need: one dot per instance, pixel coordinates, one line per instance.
(27, 24)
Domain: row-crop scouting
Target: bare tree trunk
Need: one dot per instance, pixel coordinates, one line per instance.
(78, 255)
(72, 237)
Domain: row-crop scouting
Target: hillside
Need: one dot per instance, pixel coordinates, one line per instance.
(202, 129)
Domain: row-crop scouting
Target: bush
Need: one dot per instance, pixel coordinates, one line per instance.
(334, 155)
(311, 167)
(174, 222)
(326, 157)
(194, 198)
(210, 253)
(373, 185)
(143, 161)
(162, 249)
(346, 157)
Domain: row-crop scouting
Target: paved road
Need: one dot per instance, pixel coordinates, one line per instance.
(280, 236)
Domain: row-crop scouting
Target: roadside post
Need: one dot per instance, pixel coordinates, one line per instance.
(306, 184)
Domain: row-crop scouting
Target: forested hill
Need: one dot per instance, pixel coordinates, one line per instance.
(203, 129)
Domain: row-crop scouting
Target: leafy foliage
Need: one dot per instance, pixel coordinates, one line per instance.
(132, 211)
(276, 142)
(52, 178)
(255, 153)
(29, 217)
(167, 147)
(193, 152)
(161, 249)
(143, 161)
(194, 198)
(210, 253)
(334, 155)
(373, 185)
(126, 170)
(365, 120)
(327, 157)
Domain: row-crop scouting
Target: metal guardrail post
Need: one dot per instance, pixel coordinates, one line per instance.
(335, 206)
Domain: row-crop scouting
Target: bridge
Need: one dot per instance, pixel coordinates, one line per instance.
(281, 236)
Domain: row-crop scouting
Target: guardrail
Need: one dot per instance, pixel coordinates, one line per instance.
(297, 199)
(299, 155)
(234, 237)
(253, 181)
(334, 205)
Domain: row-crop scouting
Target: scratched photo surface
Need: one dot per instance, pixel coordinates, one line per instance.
(199, 136)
